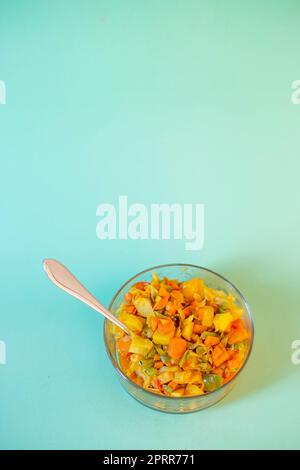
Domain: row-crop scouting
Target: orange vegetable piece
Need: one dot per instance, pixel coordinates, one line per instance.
(178, 296)
(140, 285)
(173, 385)
(161, 303)
(177, 347)
(130, 309)
(163, 292)
(228, 378)
(165, 326)
(153, 323)
(173, 284)
(237, 323)
(238, 335)
(171, 308)
(187, 311)
(211, 341)
(197, 328)
(219, 355)
(158, 364)
(123, 344)
(234, 363)
(128, 298)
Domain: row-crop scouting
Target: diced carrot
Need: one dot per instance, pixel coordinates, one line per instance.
(156, 357)
(163, 292)
(171, 308)
(219, 371)
(178, 296)
(173, 284)
(165, 326)
(238, 335)
(228, 378)
(158, 364)
(177, 347)
(123, 344)
(173, 385)
(153, 323)
(187, 311)
(140, 285)
(223, 358)
(234, 363)
(211, 341)
(219, 355)
(125, 361)
(232, 353)
(130, 309)
(234, 360)
(197, 328)
(161, 303)
(237, 323)
(218, 350)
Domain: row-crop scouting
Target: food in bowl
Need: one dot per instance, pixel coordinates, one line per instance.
(188, 339)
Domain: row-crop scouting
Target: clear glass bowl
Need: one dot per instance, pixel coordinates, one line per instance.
(167, 404)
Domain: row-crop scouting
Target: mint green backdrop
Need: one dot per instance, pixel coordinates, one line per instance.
(163, 101)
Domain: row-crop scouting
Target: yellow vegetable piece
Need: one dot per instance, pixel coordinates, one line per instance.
(165, 377)
(162, 338)
(193, 390)
(187, 331)
(140, 345)
(143, 306)
(191, 287)
(178, 393)
(187, 377)
(133, 322)
(222, 321)
(208, 316)
(236, 312)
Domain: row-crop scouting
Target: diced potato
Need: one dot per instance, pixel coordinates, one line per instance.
(222, 321)
(193, 390)
(143, 306)
(116, 331)
(162, 338)
(236, 312)
(208, 316)
(188, 327)
(133, 322)
(178, 393)
(187, 377)
(191, 287)
(140, 345)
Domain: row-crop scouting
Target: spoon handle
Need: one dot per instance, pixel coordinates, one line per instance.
(64, 279)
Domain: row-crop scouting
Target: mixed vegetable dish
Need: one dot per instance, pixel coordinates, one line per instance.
(187, 338)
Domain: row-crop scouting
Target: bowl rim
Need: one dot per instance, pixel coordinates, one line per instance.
(165, 397)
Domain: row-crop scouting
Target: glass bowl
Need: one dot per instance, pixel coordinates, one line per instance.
(183, 404)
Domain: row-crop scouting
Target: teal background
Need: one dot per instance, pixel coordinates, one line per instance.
(173, 101)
